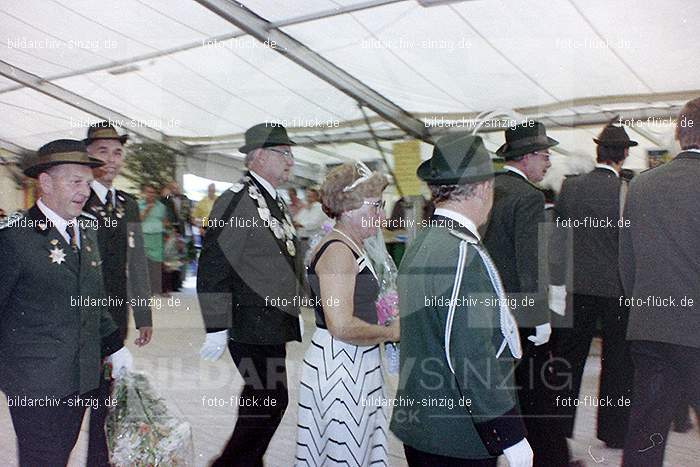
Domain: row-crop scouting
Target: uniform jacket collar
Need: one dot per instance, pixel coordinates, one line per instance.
(459, 222)
(101, 191)
(265, 184)
(608, 168)
(516, 171)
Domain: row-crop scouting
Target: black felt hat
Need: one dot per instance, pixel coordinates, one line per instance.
(103, 130)
(458, 158)
(525, 138)
(61, 151)
(265, 135)
(614, 136)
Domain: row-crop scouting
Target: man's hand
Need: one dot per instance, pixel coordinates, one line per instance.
(542, 333)
(557, 299)
(145, 335)
(520, 454)
(122, 362)
(214, 346)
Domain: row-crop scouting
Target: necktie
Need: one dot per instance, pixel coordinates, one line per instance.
(73, 240)
(509, 327)
(109, 203)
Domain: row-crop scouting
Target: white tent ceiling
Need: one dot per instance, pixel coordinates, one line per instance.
(196, 74)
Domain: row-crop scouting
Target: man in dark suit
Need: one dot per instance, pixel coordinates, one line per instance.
(248, 282)
(54, 324)
(121, 248)
(512, 240)
(660, 272)
(589, 208)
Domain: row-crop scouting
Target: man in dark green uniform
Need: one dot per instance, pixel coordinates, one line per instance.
(456, 405)
(54, 323)
(120, 242)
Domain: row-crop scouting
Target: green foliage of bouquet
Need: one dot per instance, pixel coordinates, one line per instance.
(142, 432)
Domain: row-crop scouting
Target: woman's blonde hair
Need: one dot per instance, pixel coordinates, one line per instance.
(344, 188)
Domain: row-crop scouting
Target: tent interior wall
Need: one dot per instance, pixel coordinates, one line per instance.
(195, 74)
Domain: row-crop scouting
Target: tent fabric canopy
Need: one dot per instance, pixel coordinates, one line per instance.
(184, 72)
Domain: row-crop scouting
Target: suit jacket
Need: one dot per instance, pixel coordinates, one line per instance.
(512, 239)
(585, 199)
(51, 340)
(247, 281)
(660, 252)
(124, 265)
(431, 266)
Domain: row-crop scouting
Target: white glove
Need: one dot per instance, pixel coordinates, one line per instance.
(122, 362)
(520, 454)
(214, 346)
(557, 299)
(542, 333)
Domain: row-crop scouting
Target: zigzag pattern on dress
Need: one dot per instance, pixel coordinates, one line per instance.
(335, 424)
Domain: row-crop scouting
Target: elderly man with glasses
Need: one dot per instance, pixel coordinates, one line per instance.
(249, 283)
(512, 240)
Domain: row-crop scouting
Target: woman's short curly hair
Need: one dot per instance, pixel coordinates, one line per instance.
(335, 201)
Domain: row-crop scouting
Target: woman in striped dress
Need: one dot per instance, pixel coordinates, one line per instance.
(341, 418)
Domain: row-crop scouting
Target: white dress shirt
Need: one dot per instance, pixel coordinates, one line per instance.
(101, 192)
(267, 185)
(607, 167)
(59, 222)
(515, 170)
(461, 219)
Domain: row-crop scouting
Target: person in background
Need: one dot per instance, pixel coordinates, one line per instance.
(596, 284)
(342, 278)
(179, 208)
(124, 264)
(173, 252)
(295, 204)
(2, 214)
(153, 220)
(200, 213)
(660, 269)
(311, 217)
(512, 239)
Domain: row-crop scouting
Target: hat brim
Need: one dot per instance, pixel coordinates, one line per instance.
(615, 144)
(507, 153)
(246, 148)
(34, 170)
(425, 173)
(122, 139)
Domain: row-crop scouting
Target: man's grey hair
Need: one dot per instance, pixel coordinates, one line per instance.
(442, 193)
(250, 157)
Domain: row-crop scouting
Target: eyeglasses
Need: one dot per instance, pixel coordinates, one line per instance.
(377, 204)
(286, 153)
(542, 153)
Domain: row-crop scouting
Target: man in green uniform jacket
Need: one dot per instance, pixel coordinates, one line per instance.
(54, 323)
(456, 404)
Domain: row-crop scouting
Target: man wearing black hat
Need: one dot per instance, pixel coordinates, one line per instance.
(589, 208)
(458, 337)
(248, 283)
(512, 239)
(660, 273)
(55, 325)
(120, 241)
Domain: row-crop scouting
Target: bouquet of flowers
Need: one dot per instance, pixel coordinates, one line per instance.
(387, 303)
(141, 431)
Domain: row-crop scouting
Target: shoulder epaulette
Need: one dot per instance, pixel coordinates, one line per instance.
(11, 219)
(88, 215)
